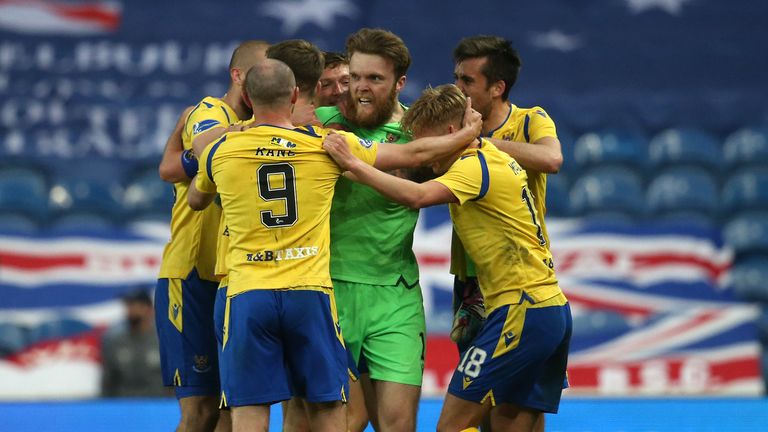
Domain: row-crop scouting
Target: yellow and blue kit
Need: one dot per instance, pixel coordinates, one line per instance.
(520, 354)
(281, 336)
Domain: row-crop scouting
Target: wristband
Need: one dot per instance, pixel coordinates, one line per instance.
(189, 163)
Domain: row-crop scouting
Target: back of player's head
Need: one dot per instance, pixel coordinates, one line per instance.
(503, 62)
(334, 59)
(383, 43)
(247, 54)
(436, 107)
(304, 59)
(270, 83)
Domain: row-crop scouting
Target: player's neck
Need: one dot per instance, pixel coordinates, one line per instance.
(397, 113)
(234, 99)
(497, 117)
(270, 116)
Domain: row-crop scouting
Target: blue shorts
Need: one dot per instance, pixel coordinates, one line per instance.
(519, 357)
(185, 329)
(283, 343)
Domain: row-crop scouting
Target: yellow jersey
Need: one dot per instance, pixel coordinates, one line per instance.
(276, 187)
(521, 125)
(497, 222)
(193, 234)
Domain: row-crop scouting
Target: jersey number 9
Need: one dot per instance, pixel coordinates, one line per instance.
(286, 192)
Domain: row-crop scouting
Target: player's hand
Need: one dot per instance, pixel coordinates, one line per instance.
(336, 146)
(467, 322)
(470, 316)
(473, 120)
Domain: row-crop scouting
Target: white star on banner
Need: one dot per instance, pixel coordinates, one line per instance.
(556, 40)
(296, 13)
(672, 7)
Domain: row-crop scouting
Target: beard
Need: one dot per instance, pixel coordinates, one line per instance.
(382, 110)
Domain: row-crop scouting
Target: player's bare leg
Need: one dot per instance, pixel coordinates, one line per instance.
(295, 415)
(396, 406)
(459, 414)
(225, 421)
(369, 394)
(198, 413)
(539, 426)
(327, 417)
(357, 413)
(251, 418)
(514, 418)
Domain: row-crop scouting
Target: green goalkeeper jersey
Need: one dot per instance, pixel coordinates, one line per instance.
(371, 236)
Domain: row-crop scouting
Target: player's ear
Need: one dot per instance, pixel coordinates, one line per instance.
(400, 83)
(497, 89)
(295, 95)
(236, 76)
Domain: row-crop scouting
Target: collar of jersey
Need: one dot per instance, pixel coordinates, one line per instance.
(309, 130)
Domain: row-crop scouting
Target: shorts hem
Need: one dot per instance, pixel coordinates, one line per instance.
(397, 380)
(186, 391)
(326, 397)
(266, 400)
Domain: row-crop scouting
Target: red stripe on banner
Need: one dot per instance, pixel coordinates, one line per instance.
(713, 269)
(427, 259)
(107, 18)
(602, 303)
(84, 346)
(37, 262)
(664, 374)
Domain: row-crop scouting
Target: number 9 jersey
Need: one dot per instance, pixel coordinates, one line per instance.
(276, 187)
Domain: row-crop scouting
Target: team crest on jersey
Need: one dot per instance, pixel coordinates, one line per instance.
(203, 126)
(391, 137)
(365, 143)
(282, 142)
(201, 364)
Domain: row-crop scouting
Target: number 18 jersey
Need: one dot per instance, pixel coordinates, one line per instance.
(276, 187)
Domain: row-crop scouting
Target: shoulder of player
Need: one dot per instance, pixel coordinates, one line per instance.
(532, 112)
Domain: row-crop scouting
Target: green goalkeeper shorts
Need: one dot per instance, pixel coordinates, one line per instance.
(384, 329)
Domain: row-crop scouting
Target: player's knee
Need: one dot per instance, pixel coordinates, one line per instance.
(199, 415)
(357, 422)
(400, 422)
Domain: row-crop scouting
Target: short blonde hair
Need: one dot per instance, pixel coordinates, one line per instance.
(435, 107)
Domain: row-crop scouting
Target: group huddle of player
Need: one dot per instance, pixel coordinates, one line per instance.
(290, 275)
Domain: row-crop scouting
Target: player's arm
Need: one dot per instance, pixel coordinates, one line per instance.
(172, 165)
(202, 190)
(403, 191)
(419, 152)
(543, 155)
(541, 152)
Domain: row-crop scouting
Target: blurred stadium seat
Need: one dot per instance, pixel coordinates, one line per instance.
(24, 191)
(746, 190)
(747, 233)
(79, 222)
(17, 223)
(608, 189)
(616, 147)
(148, 193)
(558, 202)
(683, 146)
(749, 279)
(12, 338)
(87, 195)
(745, 147)
(59, 328)
(683, 190)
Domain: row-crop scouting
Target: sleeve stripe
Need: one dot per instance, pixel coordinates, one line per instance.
(486, 182)
(209, 161)
(525, 129)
